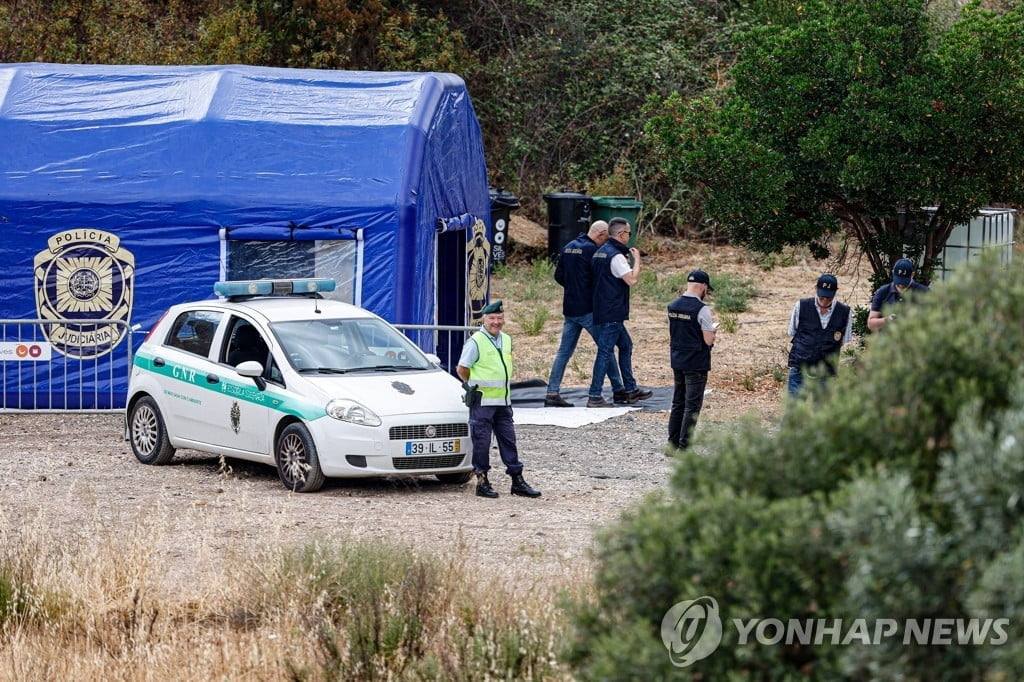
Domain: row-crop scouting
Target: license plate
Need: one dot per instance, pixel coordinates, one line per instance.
(433, 447)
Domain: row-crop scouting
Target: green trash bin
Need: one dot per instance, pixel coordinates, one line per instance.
(606, 208)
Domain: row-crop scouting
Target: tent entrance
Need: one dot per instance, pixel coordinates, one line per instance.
(340, 259)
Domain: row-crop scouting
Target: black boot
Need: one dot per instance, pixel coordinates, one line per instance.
(521, 487)
(483, 487)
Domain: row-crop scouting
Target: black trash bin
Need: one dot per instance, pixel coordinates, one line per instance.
(568, 215)
(502, 203)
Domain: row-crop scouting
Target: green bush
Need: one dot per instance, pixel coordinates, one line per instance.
(900, 567)
(887, 492)
(998, 595)
(533, 322)
(732, 294)
(754, 556)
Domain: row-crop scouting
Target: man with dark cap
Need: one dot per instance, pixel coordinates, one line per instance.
(485, 368)
(892, 293)
(573, 273)
(692, 336)
(820, 325)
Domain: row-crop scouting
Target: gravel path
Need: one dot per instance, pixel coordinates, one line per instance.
(73, 475)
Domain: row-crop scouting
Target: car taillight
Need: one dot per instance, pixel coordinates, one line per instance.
(153, 328)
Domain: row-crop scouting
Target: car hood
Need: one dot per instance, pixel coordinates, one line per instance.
(394, 393)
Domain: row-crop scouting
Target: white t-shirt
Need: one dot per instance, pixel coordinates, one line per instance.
(619, 265)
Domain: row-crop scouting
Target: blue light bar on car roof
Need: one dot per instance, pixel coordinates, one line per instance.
(273, 287)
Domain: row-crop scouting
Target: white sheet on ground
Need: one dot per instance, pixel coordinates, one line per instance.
(570, 417)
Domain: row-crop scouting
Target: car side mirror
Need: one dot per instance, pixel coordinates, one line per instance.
(433, 358)
(249, 368)
(253, 370)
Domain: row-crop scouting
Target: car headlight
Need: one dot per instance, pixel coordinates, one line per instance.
(350, 411)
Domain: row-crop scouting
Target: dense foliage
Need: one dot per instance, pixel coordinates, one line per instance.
(836, 112)
(896, 492)
(857, 115)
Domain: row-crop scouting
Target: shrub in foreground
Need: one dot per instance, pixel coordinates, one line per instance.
(891, 492)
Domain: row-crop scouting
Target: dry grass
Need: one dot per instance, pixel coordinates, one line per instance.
(102, 610)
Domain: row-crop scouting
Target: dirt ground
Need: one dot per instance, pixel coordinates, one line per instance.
(74, 475)
(742, 362)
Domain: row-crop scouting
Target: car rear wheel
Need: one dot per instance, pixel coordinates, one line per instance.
(147, 433)
(455, 479)
(297, 463)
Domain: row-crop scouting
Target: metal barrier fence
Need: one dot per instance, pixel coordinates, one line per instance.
(60, 365)
(39, 374)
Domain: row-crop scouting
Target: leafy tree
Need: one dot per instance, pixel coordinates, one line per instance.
(561, 87)
(857, 115)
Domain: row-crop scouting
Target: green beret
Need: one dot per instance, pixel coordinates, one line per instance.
(492, 308)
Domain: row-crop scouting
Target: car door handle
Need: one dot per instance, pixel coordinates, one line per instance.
(158, 362)
(212, 379)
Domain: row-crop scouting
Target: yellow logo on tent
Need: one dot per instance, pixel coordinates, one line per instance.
(478, 258)
(83, 279)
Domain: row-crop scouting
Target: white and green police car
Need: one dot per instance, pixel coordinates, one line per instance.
(275, 373)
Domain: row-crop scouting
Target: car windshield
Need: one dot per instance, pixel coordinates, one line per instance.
(348, 346)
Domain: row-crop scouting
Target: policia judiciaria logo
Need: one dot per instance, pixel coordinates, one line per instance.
(86, 276)
(478, 260)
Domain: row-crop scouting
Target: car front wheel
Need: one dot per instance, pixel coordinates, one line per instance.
(297, 463)
(147, 433)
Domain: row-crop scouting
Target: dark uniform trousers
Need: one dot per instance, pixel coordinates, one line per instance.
(687, 401)
(496, 419)
(691, 362)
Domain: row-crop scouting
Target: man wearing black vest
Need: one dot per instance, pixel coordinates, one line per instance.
(573, 273)
(692, 335)
(613, 276)
(819, 326)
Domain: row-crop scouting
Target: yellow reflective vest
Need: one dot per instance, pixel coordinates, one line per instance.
(492, 372)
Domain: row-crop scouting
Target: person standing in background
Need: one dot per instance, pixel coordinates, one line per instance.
(485, 368)
(892, 293)
(613, 277)
(819, 325)
(692, 336)
(573, 273)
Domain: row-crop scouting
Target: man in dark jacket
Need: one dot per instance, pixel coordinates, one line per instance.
(573, 273)
(613, 276)
(820, 325)
(692, 336)
(892, 293)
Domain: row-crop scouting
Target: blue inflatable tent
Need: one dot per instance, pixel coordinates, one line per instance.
(125, 189)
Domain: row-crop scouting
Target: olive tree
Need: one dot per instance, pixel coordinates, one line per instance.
(869, 116)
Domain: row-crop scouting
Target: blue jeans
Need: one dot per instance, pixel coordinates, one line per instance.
(610, 335)
(796, 380)
(571, 328)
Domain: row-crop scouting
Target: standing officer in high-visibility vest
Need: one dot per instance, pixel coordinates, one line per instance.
(485, 368)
